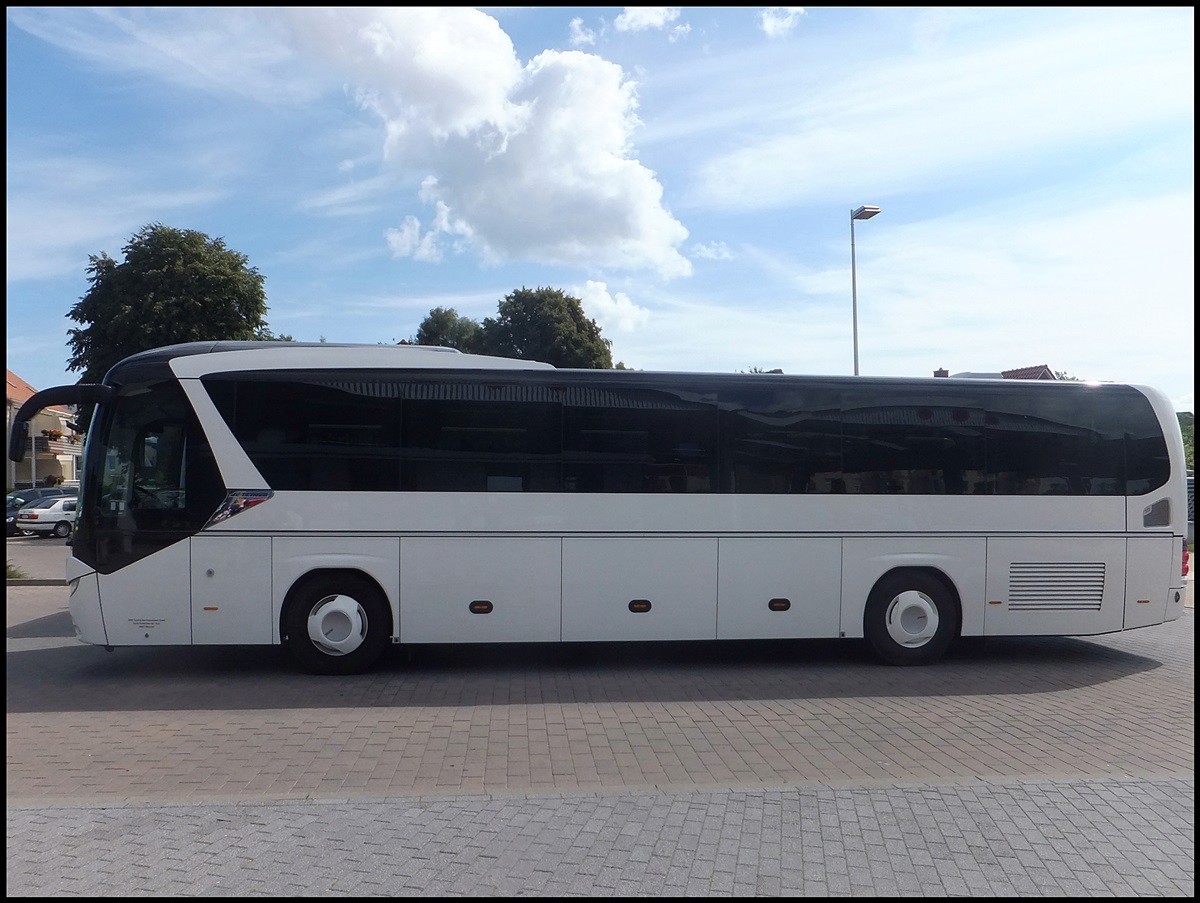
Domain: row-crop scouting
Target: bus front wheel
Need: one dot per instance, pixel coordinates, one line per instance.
(911, 618)
(336, 624)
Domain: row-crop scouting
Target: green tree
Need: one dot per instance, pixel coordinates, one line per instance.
(445, 327)
(541, 324)
(548, 325)
(174, 285)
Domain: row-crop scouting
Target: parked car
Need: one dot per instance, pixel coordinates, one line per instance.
(49, 516)
(19, 498)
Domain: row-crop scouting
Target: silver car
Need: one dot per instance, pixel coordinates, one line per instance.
(49, 517)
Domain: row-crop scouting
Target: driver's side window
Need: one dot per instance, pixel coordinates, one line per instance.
(158, 469)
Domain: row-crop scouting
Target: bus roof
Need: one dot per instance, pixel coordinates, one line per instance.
(195, 359)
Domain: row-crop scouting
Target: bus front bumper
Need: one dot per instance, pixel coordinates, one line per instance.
(86, 614)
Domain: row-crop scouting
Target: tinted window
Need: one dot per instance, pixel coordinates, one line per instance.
(780, 438)
(901, 440)
(632, 433)
(1055, 442)
(358, 432)
(495, 437)
(635, 439)
(318, 432)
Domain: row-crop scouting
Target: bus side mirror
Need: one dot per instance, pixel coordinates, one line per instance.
(18, 440)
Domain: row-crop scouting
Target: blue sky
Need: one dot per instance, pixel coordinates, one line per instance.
(687, 172)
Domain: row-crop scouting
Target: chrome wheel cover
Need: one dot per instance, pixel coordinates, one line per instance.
(912, 619)
(337, 625)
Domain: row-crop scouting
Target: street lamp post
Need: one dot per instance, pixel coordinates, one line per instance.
(865, 212)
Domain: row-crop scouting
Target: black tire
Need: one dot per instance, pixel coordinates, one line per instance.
(62, 529)
(350, 613)
(911, 618)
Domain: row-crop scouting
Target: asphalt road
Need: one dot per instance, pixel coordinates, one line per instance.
(1033, 767)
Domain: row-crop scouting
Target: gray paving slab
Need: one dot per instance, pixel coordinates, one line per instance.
(1041, 838)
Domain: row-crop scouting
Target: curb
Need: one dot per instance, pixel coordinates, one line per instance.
(36, 582)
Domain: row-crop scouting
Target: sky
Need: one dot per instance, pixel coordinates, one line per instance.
(688, 173)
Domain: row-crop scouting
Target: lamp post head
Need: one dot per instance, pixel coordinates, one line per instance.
(865, 212)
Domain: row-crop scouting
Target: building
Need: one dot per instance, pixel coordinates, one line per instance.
(1038, 371)
(54, 448)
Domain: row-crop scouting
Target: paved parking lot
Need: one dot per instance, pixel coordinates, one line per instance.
(1054, 766)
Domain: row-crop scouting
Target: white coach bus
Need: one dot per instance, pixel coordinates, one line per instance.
(337, 498)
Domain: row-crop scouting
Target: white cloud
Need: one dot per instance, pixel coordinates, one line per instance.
(640, 18)
(408, 240)
(611, 311)
(531, 162)
(779, 21)
(581, 35)
(713, 250)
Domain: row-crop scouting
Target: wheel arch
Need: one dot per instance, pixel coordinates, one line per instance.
(308, 578)
(960, 563)
(936, 573)
(298, 558)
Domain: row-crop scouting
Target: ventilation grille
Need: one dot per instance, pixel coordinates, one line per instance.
(1055, 586)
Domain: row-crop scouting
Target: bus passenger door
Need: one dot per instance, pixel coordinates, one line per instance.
(231, 590)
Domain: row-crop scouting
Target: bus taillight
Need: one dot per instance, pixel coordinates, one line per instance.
(1187, 558)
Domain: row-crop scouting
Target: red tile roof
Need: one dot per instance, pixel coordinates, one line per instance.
(1038, 371)
(17, 389)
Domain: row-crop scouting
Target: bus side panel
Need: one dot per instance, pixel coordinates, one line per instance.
(961, 559)
(804, 574)
(1055, 586)
(607, 583)
(149, 602)
(292, 558)
(480, 590)
(231, 583)
(1148, 592)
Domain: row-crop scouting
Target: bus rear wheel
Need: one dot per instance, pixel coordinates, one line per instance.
(911, 618)
(336, 624)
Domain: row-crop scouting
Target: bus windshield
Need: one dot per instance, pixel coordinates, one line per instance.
(155, 482)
